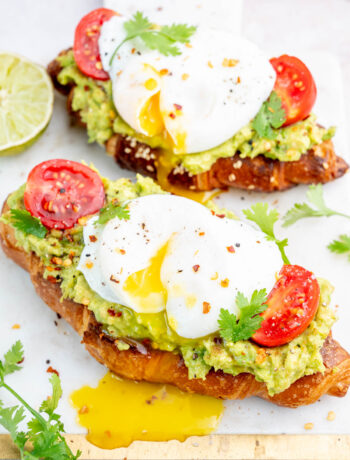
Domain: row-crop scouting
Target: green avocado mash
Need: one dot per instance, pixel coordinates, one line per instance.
(93, 99)
(278, 367)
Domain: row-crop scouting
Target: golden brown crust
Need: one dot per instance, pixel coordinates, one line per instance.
(141, 363)
(319, 165)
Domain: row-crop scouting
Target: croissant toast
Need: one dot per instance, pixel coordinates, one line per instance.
(143, 363)
(319, 165)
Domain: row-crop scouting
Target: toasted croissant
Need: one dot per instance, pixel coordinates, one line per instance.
(142, 363)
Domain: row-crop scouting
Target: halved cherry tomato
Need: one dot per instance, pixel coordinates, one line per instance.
(295, 86)
(59, 192)
(292, 304)
(86, 50)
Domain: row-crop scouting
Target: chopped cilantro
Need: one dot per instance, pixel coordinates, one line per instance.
(249, 321)
(270, 116)
(24, 221)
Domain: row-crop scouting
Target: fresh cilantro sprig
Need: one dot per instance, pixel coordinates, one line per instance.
(318, 208)
(111, 211)
(341, 246)
(45, 430)
(234, 329)
(265, 220)
(24, 221)
(270, 116)
(162, 39)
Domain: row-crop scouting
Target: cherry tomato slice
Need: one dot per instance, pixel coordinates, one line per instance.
(295, 86)
(59, 192)
(86, 50)
(292, 304)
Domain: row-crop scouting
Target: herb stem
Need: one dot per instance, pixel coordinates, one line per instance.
(129, 37)
(283, 253)
(21, 400)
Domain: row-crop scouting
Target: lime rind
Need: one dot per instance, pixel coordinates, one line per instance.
(26, 102)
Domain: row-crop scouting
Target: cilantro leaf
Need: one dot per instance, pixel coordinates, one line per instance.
(138, 24)
(157, 41)
(271, 115)
(110, 211)
(179, 32)
(11, 360)
(162, 39)
(318, 208)
(233, 329)
(24, 221)
(259, 214)
(341, 246)
(50, 405)
(44, 432)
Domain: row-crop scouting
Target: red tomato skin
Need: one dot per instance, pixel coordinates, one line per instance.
(295, 86)
(60, 192)
(292, 305)
(86, 50)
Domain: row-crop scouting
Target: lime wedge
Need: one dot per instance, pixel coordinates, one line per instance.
(26, 101)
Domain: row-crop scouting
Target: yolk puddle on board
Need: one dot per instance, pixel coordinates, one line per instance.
(118, 412)
(164, 167)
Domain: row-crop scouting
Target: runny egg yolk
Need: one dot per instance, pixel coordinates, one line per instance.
(145, 286)
(151, 120)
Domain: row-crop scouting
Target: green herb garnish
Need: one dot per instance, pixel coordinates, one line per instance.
(111, 211)
(234, 329)
(270, 116)
(24, 221)
(341, 246)
(162, 39)
(318, 209)
(44, 430)
(259, 213)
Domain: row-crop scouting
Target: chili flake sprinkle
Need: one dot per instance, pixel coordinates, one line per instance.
(93, 238)
(231, 249)
(206, 307)
(195, 268)
(224, 283)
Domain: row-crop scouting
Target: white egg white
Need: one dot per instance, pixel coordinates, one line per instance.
(206, 94)
(207, 260)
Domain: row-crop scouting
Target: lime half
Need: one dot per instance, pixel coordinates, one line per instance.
(26, 101)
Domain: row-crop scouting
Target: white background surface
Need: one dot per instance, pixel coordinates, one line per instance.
(40, 29)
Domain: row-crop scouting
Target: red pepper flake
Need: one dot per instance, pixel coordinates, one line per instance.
(224, 283)
(146, 341)
(206, 307)
(112, 278)
(51, 370)
(172, 115)
(20, 362)
(122, 251)
(221, 216)
(201, 233)
(178, 106)
(231, 249)
(83, 410)
(93, 238)
(213, 213)
(111, 312)
(195, 268)
(238, 79)
(133, 51)
(52, 279)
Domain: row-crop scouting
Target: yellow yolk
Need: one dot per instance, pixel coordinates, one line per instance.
(150, 117)
(118, 412)
(164, 168)
(145, 286)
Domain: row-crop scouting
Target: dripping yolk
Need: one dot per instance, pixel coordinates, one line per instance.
(151, 120)
(145, 287)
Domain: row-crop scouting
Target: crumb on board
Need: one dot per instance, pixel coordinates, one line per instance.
(331, 416)
(308, 426)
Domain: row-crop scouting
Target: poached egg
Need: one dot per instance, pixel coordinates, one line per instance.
(196, 100)
(175, 255)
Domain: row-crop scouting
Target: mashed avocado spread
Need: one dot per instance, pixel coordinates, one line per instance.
(278, 367)
(93, 99)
